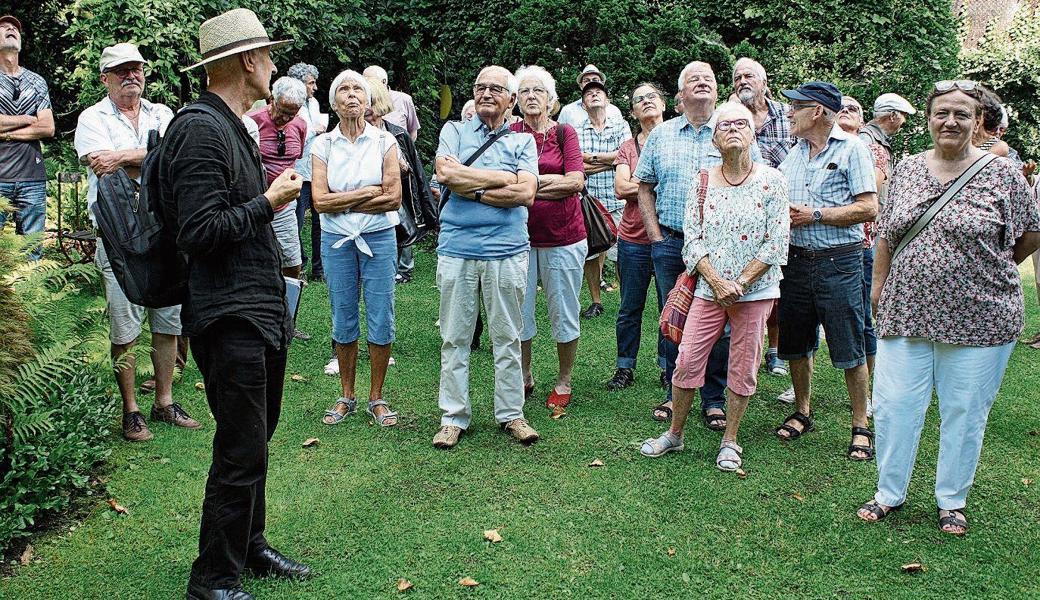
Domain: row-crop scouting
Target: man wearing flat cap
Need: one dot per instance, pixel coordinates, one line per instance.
(112, 135)
(25, 119)
(890, 113)
(832, 190)
(215, 195)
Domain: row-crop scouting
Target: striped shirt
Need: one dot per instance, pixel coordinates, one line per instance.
(833, 178)
(615, 131)
(22, 161)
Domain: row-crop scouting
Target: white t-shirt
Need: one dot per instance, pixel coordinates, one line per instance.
(350, 166)
(574, 114)
(102, 127)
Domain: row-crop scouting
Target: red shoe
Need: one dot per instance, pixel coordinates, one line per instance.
(557, 399)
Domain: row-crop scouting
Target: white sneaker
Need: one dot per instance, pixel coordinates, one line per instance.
(333, 367)
(870, 408)
(787, 397)
(391, 362)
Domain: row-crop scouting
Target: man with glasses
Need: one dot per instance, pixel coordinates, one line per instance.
(283, 136)
(25, 119)
(575, 113)
(113, 135)
(832, 191)
(482, 253)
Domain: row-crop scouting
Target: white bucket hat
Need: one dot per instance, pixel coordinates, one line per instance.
(120, 54)
(235, 31)
(591, 69)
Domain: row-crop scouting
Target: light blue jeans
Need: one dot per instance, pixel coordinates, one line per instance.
(29, 201)
(348, 272)
(966, 379)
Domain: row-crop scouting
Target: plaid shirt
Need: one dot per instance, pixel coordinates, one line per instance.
(833, 178)
(675, 151)
(774, 136)
(615, 131)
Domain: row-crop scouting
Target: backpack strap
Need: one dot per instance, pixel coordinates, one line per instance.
(199, 107)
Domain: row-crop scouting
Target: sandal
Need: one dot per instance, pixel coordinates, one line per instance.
(951, 518)
(654, 448)
(879, 511)
(386, 416)
(868, 450)
(792, 433)
(661, 408)
(557, 399)
(350, 403)
(729, 458)
(714, 422)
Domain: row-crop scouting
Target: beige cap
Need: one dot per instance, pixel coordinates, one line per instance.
(120, 54)
(591, 69)
(890, 102)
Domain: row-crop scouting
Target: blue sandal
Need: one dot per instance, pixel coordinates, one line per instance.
(382, 420)
(350, 403)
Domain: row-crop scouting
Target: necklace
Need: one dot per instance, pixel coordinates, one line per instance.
(739, 183)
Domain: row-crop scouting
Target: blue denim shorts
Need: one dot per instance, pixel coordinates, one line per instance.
(822, 290)
(348, 272)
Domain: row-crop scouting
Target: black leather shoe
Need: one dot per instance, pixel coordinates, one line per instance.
(272, 563)
(622, 379)
(199, 592)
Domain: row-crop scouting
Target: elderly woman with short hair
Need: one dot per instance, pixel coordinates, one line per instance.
(949, 301)
(357, 191)
(736, 233)
(556, 230)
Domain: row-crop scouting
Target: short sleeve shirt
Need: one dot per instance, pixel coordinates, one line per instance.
(22, 161)
(474, 230)
(957, 281)
(631, 228)
(295, 140)
(574, 114)
(615, 131)
(556, 222)
(102, 127)
(774, 136)
(833, 178)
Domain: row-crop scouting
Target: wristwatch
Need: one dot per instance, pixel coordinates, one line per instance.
(478, 195)
(817, 215)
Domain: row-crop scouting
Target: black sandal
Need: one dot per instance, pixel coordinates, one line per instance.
(952, 519)
(868, 450)
(712, 421)
(661, 408)
(792, 433)
(877, 510)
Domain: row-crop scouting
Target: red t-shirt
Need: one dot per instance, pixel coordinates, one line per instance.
(295, 136)
(558, 222)
(631, 228)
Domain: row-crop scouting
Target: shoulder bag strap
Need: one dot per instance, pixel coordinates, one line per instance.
(943, 200)
(490, 141)
(702, 193)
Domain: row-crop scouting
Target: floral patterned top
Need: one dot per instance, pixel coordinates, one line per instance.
(880, 156)
(740, 224)
(956, 282)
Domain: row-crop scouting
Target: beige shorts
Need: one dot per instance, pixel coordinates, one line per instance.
(288, 234)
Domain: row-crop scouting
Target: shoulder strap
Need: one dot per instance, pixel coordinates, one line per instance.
(702, 193)
(206, 109)
(490, 141)
(943, 200)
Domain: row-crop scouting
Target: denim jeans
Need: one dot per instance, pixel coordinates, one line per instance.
(352, 273)
(668, 265)
(869, 337)
(635, 268)
(29, 201)
(303, 204)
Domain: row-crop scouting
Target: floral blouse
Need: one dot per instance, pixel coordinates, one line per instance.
(957, 281)
(740, 224)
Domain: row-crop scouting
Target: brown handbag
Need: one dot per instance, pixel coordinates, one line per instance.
(677, 306)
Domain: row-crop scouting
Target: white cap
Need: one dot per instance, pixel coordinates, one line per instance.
(591, 69)
(120, 54)
(890, 102)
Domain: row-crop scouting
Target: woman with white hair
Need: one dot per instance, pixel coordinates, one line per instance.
(356, 182)
(556, 229)
(736, 232)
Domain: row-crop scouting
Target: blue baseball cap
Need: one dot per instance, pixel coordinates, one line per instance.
(823, 92)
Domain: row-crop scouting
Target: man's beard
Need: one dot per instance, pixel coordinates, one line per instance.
(15, 45)
(747, 97)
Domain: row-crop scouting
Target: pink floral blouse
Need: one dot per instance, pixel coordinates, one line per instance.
(957, 282)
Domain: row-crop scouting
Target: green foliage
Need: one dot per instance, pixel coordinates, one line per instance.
(1008, 60)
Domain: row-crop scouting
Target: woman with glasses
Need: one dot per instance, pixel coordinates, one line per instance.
(948, 300)
(556, 229)
(736, 233)
(356, 185)
(634, 264)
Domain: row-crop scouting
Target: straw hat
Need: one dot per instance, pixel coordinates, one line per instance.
(235, 31)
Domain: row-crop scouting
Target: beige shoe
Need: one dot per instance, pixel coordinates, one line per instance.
(135, 429)
(521, 431)
(447, 437)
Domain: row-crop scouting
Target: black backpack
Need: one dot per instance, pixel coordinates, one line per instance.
(141, 247)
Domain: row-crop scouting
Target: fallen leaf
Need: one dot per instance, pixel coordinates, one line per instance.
(27, 556)
(798, 497)
(492, 536)
(310, 442)
(914, 567)
(558, 413)
(1026, 481)
(671, 552)
(741, 473)
(200, 386)
(298, 377)
(403, 585)
(117, 507)
(596, 463)
(469, 582)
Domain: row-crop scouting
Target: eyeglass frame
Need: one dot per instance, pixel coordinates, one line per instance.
(637, 100)
(494, 88)
(732, 124)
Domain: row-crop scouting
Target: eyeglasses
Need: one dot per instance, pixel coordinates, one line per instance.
(647, 96)
(733, 124)
(850, 108)
(795, 106)
(494, 88)
(964, 85)
(124, 72)
(531, 91)
(281, 142)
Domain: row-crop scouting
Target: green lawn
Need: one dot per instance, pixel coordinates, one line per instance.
(369, 506)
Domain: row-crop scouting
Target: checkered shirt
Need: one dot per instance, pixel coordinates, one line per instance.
(615, 132)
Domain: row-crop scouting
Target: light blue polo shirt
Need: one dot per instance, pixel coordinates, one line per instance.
(474, 230)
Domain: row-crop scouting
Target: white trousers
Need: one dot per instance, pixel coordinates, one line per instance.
(966, 380)
(462, 284)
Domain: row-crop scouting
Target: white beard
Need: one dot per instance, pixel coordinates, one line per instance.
(747, 97)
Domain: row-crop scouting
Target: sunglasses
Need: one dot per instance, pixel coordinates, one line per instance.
(647, 96)
(734, 124)
(17, 83)
(964, 85)
(281, 142)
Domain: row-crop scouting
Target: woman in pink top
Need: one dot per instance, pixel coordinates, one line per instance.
(556, 229)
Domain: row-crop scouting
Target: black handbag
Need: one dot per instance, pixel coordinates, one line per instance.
(600, 229)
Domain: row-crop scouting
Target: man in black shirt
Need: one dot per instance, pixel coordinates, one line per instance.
(235, 311)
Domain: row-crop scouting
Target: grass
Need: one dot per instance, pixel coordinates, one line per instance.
(368, 506)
